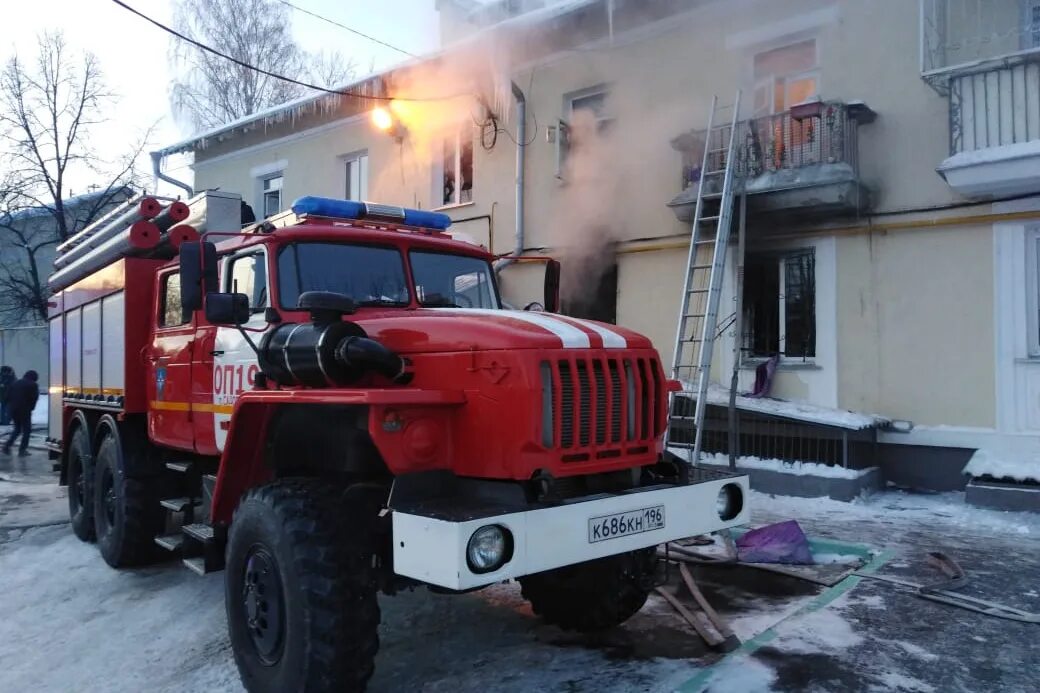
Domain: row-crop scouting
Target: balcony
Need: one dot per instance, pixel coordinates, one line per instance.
(995, 130)
(804, 161)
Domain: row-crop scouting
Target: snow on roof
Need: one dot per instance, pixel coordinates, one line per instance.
(1007, 152)
(801, 411)
(70, 203)
(310, 102)
(1000, 466)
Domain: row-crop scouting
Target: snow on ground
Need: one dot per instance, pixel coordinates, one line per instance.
(68, 622)
(782, 466)
(986, 462)
(802, 411)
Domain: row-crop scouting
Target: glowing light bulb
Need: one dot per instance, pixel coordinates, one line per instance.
(381, 118)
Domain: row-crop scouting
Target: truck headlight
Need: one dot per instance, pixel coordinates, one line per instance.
(729, 502)
(489, 548)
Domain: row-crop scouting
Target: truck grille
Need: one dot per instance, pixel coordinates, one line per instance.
(593, 404)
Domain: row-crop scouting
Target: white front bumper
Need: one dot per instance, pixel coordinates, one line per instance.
(433, 550)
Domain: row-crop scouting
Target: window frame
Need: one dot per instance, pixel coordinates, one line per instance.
(263, 181)
(769, 82)
(1029, 37)
(781, 257)
(355, 159)
(229, 275)
(161, 312)
(562, 135)
(1032, 284)
(438, 171)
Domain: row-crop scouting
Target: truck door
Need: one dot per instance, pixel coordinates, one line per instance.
(234, 362)
(168, 363)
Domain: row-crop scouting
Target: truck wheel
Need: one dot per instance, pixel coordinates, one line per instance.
(127, 515)
(300, 591)
(594, 595)
(81, 486)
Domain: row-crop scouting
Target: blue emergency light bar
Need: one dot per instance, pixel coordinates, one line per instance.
(350, 209)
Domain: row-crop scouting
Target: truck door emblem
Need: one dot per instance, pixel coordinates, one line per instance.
(160, 382)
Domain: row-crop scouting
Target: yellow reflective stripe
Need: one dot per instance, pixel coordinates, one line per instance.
(188, 406)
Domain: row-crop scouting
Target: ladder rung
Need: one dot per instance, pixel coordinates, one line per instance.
(697, 267)
(698, 291)
(710, 240)
(711, 196)
(718, 172)
(709, 218)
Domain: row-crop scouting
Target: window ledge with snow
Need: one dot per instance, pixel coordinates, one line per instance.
(1009, 169)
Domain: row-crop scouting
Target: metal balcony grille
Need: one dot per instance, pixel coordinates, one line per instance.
(995, 107)
(808, 135)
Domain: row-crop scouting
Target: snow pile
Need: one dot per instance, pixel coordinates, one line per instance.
(989, 155)
(987, 463)
(820, 631)
(781, 466)
(802, 411)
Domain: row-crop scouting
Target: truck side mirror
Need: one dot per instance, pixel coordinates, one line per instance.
(227, 309)
(552, 286)
(198, 265)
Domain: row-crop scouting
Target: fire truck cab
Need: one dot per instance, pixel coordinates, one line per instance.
(336, 401)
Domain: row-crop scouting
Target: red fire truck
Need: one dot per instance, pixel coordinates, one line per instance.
(336, 402)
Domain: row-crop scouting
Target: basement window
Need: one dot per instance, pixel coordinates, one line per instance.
(453, 174)
(780, 304)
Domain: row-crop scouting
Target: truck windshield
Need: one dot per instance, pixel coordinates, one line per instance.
(452, 281)
(371, 275)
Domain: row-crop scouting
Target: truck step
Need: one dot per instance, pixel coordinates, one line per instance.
(197, 565)
(182, 467)
(178, 505)
(199, 532)
(170, 542)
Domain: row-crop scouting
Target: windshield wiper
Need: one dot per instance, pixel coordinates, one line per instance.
(381, 302)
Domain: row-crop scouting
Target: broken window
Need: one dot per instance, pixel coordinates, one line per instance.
(456, 169)
(780, 304)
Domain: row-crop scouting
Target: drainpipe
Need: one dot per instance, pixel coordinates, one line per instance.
(159, 175)
(521, 144)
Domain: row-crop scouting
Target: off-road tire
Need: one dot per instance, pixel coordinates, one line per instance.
(595, 595)
(127, 514)
(319, 548)
(80, 477)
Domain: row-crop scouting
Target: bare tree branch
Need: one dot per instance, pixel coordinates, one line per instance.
(212, 91)
(48, 108)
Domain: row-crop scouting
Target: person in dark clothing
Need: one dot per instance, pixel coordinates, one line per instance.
(6, 381)
(21, 400)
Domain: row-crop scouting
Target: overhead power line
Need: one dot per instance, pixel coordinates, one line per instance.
(344, 26)
(275, 75)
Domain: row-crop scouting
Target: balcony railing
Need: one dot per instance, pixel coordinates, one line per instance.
(996, 107)
(817, 137)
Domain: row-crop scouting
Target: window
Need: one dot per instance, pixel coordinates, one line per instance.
(587, 120)
(271, 188)
(455, 170)
(453, 281)
(248, 275)
(780, 304)
(170, 313)
(1032, 285)
(356, 166)
(371, 275)
(784, 77)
